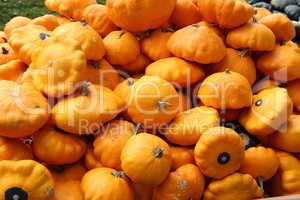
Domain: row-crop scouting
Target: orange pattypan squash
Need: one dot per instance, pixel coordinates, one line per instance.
(54, 147)
(109, 144)
(261, 163)
(185, 102)
(146, 159)
(3, 38)
(237, 61)
(101, 73)
(12, 70)
(289, 139)
(90, 159)
(25, 40)
(186, 182)
(286, 181)
(57, 66)
(6, 53)
(25, 179)
(67, 190)
(185, 13)
(227, 14)
(138, 15)
(293, 88)
(153, 101)
(264, 84)
(253, 36)
(122, 47)
(155, 45)
(65, 173)
(106, 183)
(198, 43)
(188, 126)
(219, 152)
(177, 71)
(14, 149)
(181, 156)
(15, 23)
(69, 8)
(261, 12)
(226, 90)
(25, 108)
(270, 110)
(90, 41)
(137, 66)
(235, 186)
(85, 113)
(282, 63)
(50, 22)
(142, 192)
(96, 16)
(282, 27)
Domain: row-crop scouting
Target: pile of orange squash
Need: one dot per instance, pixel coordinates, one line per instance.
(149, 100)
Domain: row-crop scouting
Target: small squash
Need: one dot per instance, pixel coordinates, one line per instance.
(293, 88)
(186, 182)
(25, 108)
(227, 14)
(25, 179)
(152, 101)
(97, 17)
(106, 183)
(289, 140)
(137, 15)
(12, 70)
(63, 173)
(261, 163)
(67, 190)
(90, 159)
(235, 186)
(69, 8)
(177, 71)
(109, 144)
(122, 47)
(14, 149)
(85, 113)
(219, 152)
(188, 126)
(54, 147)
(137, 66)
(261, 12)
(253, 36)
(91, 42)
(146, 159)
(197, 43)
(50, 22)
(282, 27)
(270, 110)
(286, 181)
(25, 40)
(14, 23)
(282, 63)
(57, 66)
(155, 45)
(142, 192)
(226, 90)
(237, 61)
(181, 156)
(3, 38)
(185, 13)
(101, 73)
(7, 54)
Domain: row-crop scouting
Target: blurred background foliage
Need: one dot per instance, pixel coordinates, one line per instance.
(27, 8)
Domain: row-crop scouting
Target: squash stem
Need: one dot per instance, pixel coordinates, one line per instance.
(158, 152)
